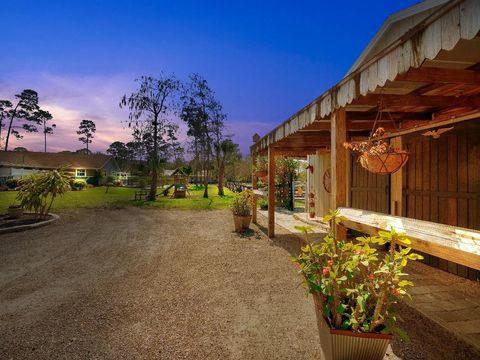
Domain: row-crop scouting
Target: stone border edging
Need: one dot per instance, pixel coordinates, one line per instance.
(55, 217)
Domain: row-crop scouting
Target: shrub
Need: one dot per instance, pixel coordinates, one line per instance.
(12, 183)
(263, 204)
(242, 203)
(78, 184)
(355, 284)
(38, 191)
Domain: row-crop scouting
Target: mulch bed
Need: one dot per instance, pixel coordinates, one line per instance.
(27, 219)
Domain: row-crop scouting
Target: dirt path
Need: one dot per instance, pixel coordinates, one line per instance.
(135, 283)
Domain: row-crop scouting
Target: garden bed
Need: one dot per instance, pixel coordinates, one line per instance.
(28, 221)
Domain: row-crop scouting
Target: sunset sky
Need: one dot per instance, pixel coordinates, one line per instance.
(264, 59)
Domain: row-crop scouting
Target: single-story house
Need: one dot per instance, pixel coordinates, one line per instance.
(15, 164)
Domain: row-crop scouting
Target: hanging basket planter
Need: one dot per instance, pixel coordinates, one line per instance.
(384, 164)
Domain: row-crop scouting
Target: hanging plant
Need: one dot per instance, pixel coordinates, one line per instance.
(377, 155)
(261, 167)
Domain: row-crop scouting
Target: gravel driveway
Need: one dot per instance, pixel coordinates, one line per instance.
(139, 283)
(166, 284)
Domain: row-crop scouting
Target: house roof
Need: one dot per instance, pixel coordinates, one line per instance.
(439, 53)
(395, 26)
(42, 160)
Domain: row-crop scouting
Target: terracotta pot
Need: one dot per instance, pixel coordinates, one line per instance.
(241, 222)
(344, 344)
(384, 164)
(15, 211)
(312, 214)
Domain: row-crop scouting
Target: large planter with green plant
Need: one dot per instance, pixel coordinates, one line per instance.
(241, 209)
(354, 288)
(15, 211)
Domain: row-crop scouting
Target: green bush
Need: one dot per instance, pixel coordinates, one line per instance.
(78, 184)
(263, 204)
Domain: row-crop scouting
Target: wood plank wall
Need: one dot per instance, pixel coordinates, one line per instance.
(442, 184)
(367, 190)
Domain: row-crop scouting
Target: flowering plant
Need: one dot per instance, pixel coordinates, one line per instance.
(242, 203)
(355, 285)
(376, 145)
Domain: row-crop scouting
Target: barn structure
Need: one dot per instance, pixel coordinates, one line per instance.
(422, 69)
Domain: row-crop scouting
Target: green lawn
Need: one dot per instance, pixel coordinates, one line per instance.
(96, 197)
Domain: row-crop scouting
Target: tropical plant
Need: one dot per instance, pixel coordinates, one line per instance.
(38, 191)
(355, 284)
(242, 204)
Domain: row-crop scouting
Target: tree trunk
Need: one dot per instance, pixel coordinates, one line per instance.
(153, 185)
(10, 127)
(45, 135)
(221, 177)
(205, 180)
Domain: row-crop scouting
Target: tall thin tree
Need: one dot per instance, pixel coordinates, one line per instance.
(22, 112)
(44, 117)
(153, 103)
(202, 114)
(86, 129)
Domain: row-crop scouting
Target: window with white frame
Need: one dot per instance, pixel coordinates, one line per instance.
(81, 173)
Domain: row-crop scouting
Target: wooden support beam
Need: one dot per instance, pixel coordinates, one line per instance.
(271, 192)
(339, 164)
(396, 184)
(254, 187)
(389, 101)
(441, 76)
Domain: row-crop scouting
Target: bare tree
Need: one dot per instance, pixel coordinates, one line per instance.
(152, 104)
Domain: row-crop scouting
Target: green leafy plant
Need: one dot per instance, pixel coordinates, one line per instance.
(38, 191)
(242, 203)
(355, 284)
(78, 184)
(263, 203)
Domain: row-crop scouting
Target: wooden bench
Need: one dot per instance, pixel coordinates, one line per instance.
(141, 195)
(451, 243)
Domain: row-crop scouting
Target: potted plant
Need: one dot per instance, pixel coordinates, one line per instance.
(241, 209)
(377, 155)
(354, 288)
(261, 167)
(15, 211)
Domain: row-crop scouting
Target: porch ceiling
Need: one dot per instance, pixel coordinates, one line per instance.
(424, 79)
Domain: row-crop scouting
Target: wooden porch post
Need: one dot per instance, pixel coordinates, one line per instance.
(396, 183)
(271, 192)
(339, 164)
(254, 187)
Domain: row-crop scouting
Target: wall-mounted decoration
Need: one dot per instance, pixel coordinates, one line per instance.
(327, 181)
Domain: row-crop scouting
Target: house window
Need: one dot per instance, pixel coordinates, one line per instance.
(81, 173)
